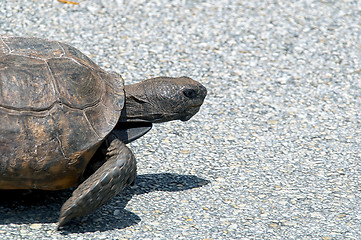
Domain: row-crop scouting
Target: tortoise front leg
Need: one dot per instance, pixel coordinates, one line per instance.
(118, 171)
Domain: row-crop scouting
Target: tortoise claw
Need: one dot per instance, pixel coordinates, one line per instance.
(112, 177)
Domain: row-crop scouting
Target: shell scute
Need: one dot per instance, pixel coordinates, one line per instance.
(75, 54)
(78, 85)
(25, 83)
(33, 47)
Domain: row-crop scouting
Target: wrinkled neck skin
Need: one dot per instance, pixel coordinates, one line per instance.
(139, 106)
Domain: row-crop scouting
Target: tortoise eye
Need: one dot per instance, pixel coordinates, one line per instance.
(190, 93)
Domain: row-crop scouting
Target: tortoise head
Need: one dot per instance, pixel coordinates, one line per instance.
(163, 99)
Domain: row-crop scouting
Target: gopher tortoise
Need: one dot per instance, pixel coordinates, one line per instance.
(64, 121)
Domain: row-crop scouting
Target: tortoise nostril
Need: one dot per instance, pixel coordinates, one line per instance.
(190, 93)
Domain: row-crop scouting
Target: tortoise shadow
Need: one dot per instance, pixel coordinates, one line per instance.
(36, 206)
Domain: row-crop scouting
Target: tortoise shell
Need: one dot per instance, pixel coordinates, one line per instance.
(56, 107)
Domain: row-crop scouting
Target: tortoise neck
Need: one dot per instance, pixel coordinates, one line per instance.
(138, 107)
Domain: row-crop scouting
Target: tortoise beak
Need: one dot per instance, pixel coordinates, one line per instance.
(190, 112)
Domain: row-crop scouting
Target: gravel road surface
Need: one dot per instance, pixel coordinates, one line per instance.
(274, 152)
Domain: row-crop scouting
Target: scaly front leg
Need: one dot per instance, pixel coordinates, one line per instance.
(118, 171)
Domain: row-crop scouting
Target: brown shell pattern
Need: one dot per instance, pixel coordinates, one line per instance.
(56, 106)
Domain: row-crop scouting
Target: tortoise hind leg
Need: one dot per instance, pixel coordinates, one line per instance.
(118, 171)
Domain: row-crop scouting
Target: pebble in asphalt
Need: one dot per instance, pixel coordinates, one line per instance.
(274, 152)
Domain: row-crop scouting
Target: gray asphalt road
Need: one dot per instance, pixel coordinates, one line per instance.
(274, 152)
